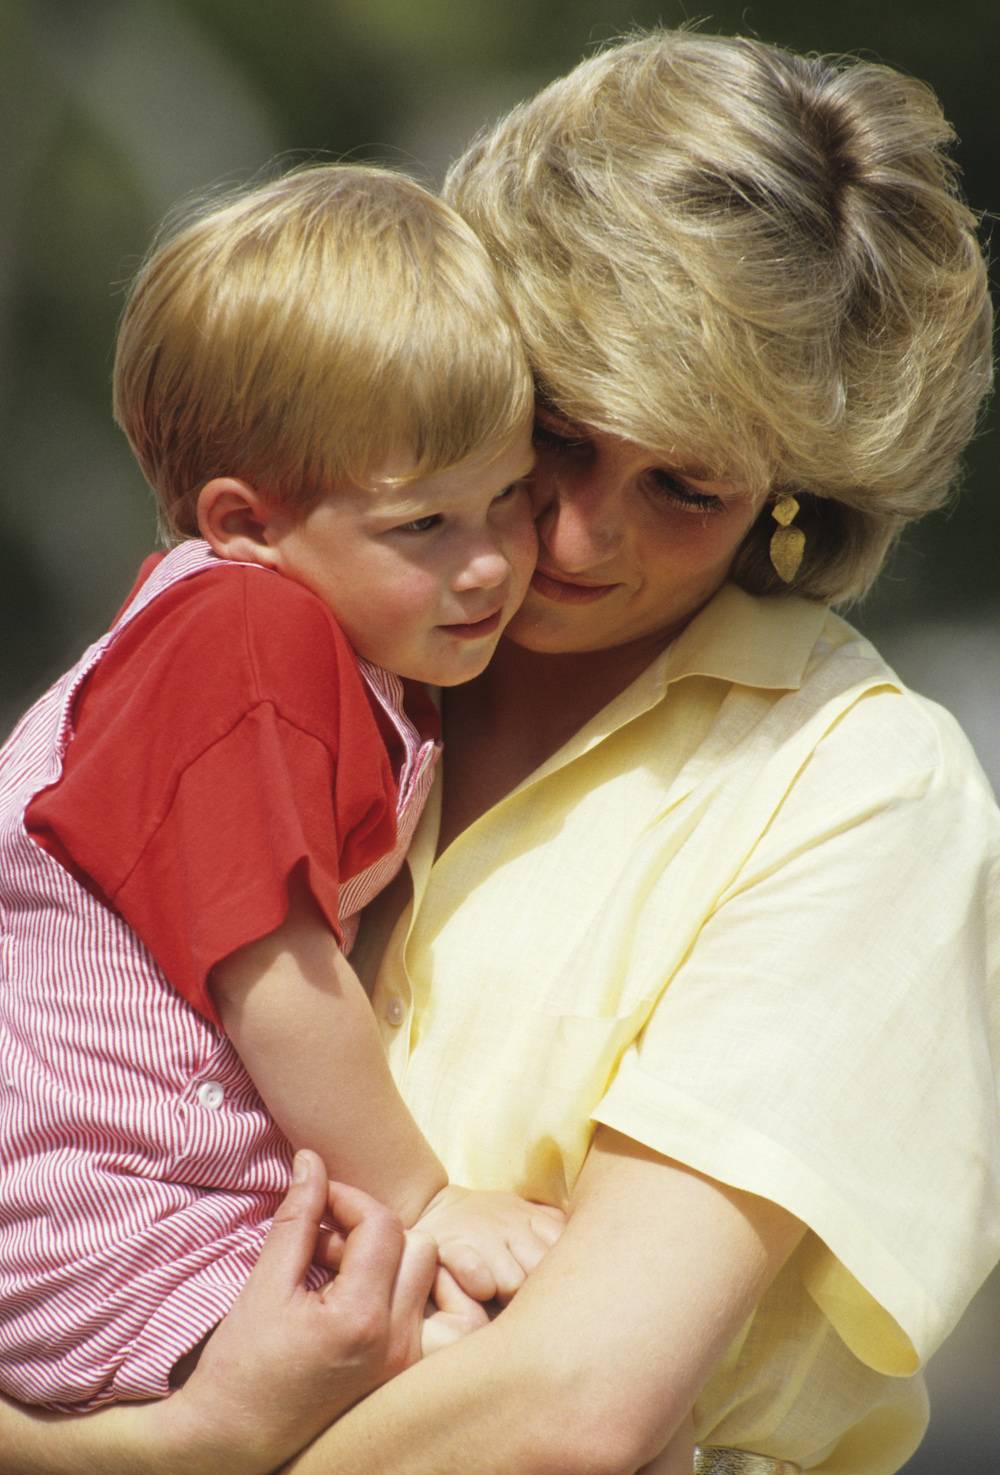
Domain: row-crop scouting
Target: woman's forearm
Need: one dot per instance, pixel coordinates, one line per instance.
(590, 1371)
(129, 1439)
(595, 1364)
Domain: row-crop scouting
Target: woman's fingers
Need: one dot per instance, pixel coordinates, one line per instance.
(373, 1249)
(383, 1284)
(288, 1250)
(416, 1276)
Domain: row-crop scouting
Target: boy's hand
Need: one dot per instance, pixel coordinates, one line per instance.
(451, 1315)
(490, 1241)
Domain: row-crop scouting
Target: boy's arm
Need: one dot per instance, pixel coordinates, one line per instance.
(303, 1026)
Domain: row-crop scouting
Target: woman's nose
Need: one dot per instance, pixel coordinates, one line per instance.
(578, 517)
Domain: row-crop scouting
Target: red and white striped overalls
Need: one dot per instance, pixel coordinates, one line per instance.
(140, 1168)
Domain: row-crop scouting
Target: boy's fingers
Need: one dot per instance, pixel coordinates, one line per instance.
(456, 1316)
(548, 1223)
(509, 1273)
(288, 1249)
(329, 1248)
(450, 1298)
(469, 1268)
(529, 1250)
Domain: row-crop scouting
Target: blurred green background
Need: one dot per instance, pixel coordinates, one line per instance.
(113, 110)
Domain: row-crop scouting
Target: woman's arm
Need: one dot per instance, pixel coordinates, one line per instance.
(594, 1366)
(283, 1363)
(590, 1371)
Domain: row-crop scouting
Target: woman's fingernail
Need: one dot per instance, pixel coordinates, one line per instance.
(300, 1168)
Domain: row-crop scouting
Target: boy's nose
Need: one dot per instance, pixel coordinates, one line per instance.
(485, 566)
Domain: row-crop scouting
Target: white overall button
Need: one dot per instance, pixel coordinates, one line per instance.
(394, 1011)
(211, 1094)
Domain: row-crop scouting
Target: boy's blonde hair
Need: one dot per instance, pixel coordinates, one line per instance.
(302, 332)
(752, 260)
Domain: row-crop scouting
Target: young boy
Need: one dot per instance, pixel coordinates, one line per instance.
(328, 395)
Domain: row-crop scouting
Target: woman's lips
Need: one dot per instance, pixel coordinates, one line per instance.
(477, 629)
(565, 591)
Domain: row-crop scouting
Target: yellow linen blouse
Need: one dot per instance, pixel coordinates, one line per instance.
(748, 916)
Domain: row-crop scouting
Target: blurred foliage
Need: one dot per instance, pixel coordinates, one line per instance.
(115, 109)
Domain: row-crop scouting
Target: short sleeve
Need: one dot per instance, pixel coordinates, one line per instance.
(214, 874)
(831, 1041)
(223, 740)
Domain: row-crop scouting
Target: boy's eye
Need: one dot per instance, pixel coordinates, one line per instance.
(508, 492)
(419, 524)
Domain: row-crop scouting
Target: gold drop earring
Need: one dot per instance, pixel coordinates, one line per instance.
(787, 543)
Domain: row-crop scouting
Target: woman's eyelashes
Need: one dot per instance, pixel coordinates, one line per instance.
(666, 484)
(566, 440)
(547, 438)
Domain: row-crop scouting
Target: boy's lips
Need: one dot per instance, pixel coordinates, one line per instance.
(568, 591)
(476, 629)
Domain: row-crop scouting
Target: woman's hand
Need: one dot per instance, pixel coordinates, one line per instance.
(287, 1361)
(283, 1364)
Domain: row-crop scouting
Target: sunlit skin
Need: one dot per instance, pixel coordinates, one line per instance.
(422, 576)
(630, 546)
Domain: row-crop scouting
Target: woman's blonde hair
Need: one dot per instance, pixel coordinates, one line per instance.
(754, 261)
(301, 332)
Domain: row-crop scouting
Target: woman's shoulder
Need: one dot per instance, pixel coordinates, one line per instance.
(886, 728)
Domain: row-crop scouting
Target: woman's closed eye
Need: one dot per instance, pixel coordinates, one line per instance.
(546, 437)
(666, 485)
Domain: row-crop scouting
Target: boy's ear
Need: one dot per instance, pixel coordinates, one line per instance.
(235, 521)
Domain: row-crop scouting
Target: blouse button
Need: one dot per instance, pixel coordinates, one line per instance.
(211, 1094)
(394, 1011)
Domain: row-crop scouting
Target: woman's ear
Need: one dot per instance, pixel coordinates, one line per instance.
(235, 521)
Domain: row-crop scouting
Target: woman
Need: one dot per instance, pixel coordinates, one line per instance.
(705, 948)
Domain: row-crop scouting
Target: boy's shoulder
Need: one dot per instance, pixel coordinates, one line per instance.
(227, 636)
(242, 608)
